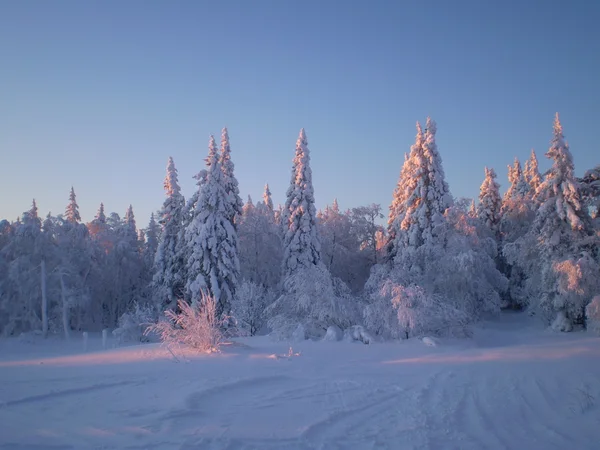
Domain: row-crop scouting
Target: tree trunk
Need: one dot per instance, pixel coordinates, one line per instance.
(65, 307)
(44, 300)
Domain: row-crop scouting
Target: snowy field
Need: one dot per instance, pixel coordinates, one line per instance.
(513, 386)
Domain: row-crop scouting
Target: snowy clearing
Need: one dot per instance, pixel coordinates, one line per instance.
(513, 386)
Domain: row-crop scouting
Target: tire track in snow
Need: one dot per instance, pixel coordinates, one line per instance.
(65, 392)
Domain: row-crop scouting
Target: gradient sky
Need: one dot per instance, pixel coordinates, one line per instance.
(98, 94)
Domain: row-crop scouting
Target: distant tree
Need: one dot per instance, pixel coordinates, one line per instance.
(532, 173)
(490, 203)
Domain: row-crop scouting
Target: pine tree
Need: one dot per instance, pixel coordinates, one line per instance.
(152, 237)
(72, 210)
(532, 173)
(301, 243)
(234, 203)
(267, 198)
(403, 187)
(427, 195)
(561, 237)
(168, 281)
(213, 264)
(490, 203)
(100, 216)
(518, 187)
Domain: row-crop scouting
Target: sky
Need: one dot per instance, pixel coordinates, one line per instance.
(98, 94)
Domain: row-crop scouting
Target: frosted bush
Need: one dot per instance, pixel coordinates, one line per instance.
(402, 312)
(592, 312)
(249, 306)
(132, 324)
(359, 334)
(197, 326)
(311, 298)
(334, 333)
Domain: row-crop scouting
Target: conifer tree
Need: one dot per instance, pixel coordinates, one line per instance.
(213, 264)
(168, 281)
(560, 242)
(490, 203)
(427, 194)
(403, 187)
(301, 243)
(234, 205)
(267, 198)
(72, 209)
(532, 173)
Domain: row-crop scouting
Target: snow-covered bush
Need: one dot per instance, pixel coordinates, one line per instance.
(333, 334)
(402, 312)
(576, 280)
(197, 326)
(249, 306)
(592, 312)
(132, 324)
(357, 333)
(311, 298)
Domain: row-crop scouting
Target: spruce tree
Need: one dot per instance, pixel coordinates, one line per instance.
(532, 173)
(301, 244)
(427, 196)
(403, 187)
(267, 198)
(561, 239)
(168, 281)
(72, 209)
(490, 203)
(234, 202)
(213, 264)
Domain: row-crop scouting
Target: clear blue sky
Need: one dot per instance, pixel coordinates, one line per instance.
(98, 94)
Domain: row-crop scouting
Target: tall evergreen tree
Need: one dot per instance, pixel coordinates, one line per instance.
(518, 186)
(301, 243)
(561, 237)
(427, 194)
(213, 264)
(490, 203)
(152, 238)
(532, 173)
(168, 282)
(267, 198)
(72, 209)
(403, 188)
(234, 203)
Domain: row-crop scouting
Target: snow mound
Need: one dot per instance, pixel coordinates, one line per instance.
(430, 342)
(561, 323)
(334, 333)
(299, 333)
(358, 333)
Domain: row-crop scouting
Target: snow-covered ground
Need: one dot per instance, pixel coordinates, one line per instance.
(513, 386)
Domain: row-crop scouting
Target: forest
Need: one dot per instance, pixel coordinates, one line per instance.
(440, 265)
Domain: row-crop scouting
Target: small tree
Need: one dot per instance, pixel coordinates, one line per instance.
(249, 306)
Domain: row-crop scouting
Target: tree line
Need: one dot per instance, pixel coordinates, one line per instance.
(439, 265)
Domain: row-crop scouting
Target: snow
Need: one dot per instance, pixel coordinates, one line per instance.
(511, 386)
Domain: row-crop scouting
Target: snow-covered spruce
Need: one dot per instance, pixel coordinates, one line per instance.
(439, 250)
(559, 245)
(168, 282)
(490, 203)
(213, 264)
(301, 243)
(310, 301)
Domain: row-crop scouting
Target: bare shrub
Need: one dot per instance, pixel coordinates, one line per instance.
(197, 326)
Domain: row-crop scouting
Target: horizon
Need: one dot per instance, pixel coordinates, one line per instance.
(103, 110)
